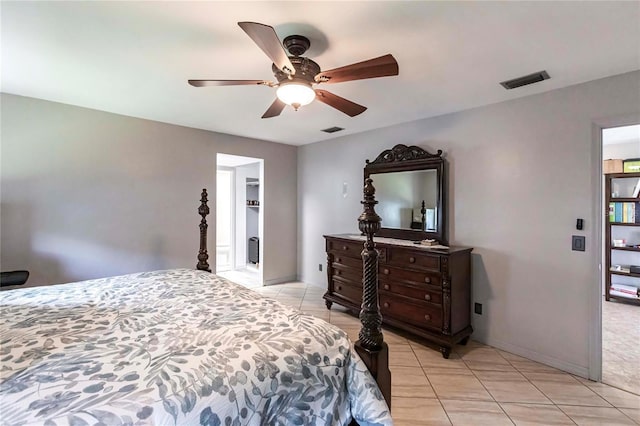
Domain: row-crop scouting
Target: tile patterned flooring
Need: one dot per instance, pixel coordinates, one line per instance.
(248, 276)
(479, 384)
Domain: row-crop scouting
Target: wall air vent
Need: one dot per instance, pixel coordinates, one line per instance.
(527, 79)
(332, 129)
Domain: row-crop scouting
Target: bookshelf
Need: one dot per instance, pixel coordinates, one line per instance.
(622, 234)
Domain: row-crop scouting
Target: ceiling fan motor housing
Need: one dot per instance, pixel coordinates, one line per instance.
(296, 44)
(306, 70)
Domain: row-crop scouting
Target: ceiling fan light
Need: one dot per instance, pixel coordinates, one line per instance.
(296, 94)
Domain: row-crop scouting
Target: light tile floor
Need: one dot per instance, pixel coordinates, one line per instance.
(248, 276)
(478, 384)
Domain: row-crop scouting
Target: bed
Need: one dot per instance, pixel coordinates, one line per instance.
(178, 347)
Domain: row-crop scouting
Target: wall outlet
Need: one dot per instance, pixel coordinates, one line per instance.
(477, 308)
(320, 267)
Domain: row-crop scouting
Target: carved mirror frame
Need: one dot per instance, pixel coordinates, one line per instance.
(402, 158)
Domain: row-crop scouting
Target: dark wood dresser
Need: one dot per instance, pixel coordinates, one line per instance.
(422, 290)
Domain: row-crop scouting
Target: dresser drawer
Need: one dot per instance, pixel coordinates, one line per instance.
(346, 248)
(340, 259)
(413, 259)
(387, 273)
(347, 289)
(420, 315)
(347, 272)
(421, 293)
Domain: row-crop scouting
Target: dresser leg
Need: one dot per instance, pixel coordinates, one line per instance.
(328, 303)
(445, 352)
(464, 341)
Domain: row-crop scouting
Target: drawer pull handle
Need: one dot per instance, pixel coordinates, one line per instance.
(385, 304)
(427, 280)
(385, 271)
(427, 297)
(412, 260)
(338, 272)
(345, 248)
(339, 287)
(386, 286)
(427, 317)
(339, 260)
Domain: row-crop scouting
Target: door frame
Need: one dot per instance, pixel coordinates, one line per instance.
(231, 164)
(597, 217)
(232, 244)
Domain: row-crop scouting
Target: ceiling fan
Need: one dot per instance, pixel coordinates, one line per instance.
(297, 74)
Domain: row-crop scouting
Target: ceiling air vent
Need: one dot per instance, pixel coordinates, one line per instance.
(332, 129)
(527, 79)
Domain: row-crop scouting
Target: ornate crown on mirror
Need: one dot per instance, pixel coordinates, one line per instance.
(408, 177)
(402, 152)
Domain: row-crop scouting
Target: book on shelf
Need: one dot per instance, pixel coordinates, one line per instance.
(629, 215)
(636, 190)
(624, 290)
(624, 212)
(612, 212)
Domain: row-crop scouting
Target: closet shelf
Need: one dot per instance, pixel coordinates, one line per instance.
(624, 199)
(626, 274)
(626, 248)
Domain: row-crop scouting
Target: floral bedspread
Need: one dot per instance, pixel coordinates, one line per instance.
(180, 347)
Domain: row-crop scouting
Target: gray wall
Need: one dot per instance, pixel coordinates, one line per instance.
(91, 194)
(520, 173)
(622, 151)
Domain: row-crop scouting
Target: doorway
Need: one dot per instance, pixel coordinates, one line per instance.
(239, 221)
(620, 319)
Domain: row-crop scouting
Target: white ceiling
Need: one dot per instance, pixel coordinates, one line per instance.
(134, 58)
(227, 160)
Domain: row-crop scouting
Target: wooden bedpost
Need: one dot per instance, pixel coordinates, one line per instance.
(203, 211)
(370, 345)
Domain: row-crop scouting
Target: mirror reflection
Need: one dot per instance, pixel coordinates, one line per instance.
(400, 196)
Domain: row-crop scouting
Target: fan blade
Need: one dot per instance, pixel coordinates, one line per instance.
(341, 104)
(267, 40)
(275, 109)
(378, 67)
(203, 83)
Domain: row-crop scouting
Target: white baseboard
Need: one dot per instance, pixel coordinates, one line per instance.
(280, 280)
(578, 370)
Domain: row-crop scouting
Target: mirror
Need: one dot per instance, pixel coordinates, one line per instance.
(409, 186)
(401, 196)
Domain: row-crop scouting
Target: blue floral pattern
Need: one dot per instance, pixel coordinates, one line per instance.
(175, 347)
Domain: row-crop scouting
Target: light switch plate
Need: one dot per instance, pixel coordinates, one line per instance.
(577, 243)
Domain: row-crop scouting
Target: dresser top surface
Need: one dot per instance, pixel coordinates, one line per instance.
(402, 243)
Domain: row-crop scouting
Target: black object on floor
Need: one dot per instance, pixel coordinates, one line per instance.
(254, 250)
(13, 278)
